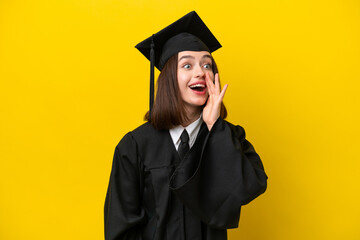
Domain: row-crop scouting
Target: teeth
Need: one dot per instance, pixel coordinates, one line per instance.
(197, 85)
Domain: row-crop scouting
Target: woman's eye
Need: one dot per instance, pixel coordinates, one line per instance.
(187, 66)
(207, 66)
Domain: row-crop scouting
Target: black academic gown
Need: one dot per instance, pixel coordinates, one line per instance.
(152, 195)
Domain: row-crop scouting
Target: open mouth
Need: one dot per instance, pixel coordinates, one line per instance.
(199, 87)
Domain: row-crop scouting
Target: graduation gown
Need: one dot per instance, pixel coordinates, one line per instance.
(152, 195)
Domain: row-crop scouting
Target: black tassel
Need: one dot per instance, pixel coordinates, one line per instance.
(152, 61)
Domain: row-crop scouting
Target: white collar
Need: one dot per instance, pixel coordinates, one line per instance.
(192, 129)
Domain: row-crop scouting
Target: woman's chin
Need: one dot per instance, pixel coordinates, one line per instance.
(199, 103)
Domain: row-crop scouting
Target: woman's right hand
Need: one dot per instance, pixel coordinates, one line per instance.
(211, 111)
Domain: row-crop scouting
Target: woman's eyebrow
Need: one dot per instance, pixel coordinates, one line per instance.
(207, 56)
(189, 56)
(186, 56)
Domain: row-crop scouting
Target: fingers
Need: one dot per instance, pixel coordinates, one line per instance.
(214, 87)
(222, 94)
(209, 84)
(217, 83)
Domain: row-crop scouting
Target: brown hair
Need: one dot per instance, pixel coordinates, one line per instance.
(168, 110)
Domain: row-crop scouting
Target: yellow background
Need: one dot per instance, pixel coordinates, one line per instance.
(72, 84)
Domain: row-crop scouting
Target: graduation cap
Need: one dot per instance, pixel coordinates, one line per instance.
(188, 33)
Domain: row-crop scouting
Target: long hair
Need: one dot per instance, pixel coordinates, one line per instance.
(168, 110)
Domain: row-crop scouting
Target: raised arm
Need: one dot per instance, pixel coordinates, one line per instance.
(219, 176)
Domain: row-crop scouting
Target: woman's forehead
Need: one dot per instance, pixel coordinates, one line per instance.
(193, 54)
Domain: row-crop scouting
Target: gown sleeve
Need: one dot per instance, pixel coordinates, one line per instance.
(215, 179)
(123, 212)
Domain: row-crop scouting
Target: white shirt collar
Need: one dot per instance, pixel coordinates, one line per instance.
(192, 129)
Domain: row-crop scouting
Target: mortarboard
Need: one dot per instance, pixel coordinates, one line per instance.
(188, 33)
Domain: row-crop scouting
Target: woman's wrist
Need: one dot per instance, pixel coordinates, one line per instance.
(212, 123)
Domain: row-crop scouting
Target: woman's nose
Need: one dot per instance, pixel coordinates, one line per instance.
(199, 71)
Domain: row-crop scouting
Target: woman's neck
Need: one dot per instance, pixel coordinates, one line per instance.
(192, 116)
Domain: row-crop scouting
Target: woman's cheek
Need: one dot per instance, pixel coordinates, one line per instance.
(212, 75)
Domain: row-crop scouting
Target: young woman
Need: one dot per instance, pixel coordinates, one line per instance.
(186, 172)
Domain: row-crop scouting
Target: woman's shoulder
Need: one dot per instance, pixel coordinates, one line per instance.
(144, 130)
(145, 134)
(145, 141)
(221, 123)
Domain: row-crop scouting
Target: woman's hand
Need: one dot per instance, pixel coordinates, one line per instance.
(211, 111)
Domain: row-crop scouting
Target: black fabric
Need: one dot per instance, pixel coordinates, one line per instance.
(181, 42)
(152, 195)
(184, 144)
(188, 220)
